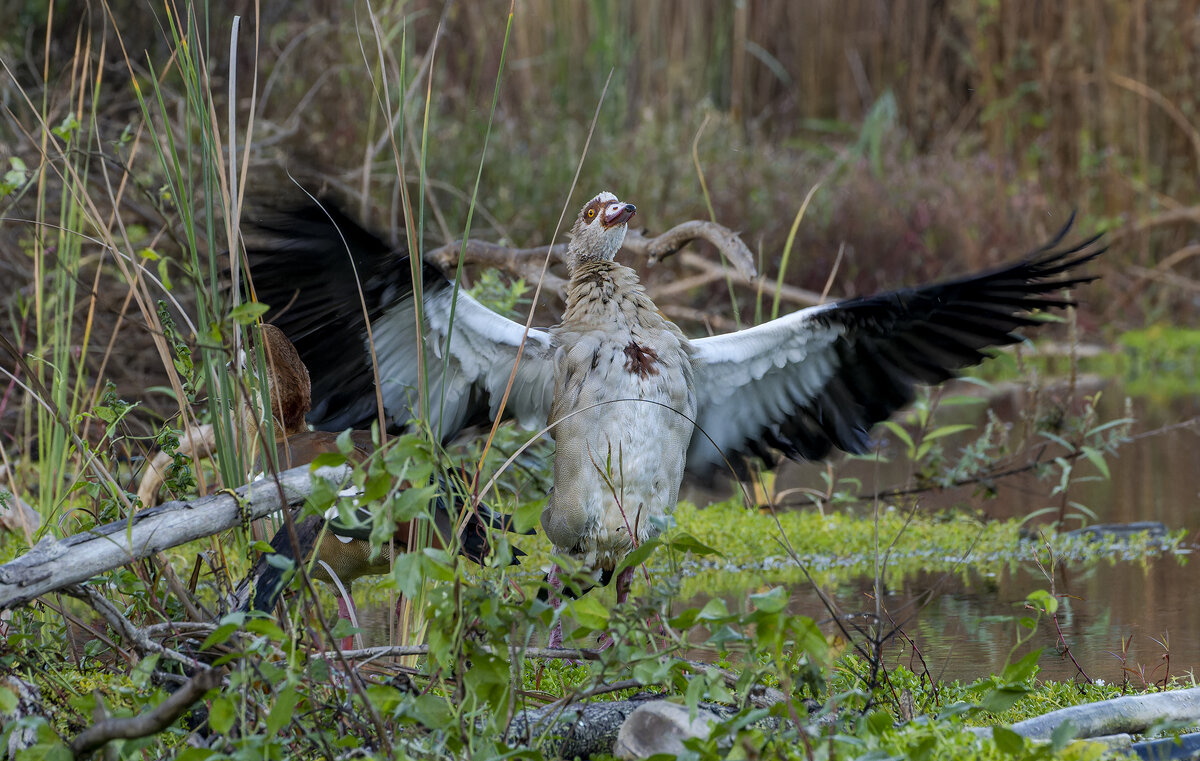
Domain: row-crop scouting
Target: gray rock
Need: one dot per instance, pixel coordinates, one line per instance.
(660, 727)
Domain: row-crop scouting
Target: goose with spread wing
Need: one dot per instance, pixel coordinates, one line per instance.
(634, 402)
(344, 549)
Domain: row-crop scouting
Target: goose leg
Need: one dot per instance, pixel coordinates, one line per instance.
(556, 632)
(623, 583)
(347, 612)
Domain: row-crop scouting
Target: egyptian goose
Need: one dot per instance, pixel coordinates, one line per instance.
(344, 550)
(621, 382)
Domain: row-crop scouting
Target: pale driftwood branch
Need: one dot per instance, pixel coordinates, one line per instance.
(52, 565)
(528, 260)
(787, 292)
(527, 263)
(1131, 714)
(198, 443)
(1170, 217)
(149, 722)
(522, 260)
(727, 242)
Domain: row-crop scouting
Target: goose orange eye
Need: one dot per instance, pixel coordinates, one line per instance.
(591, 213)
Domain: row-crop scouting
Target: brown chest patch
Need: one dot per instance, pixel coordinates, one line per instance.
(640, 360)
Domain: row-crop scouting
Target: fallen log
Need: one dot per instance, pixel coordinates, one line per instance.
(52, 565)
(1130, 714)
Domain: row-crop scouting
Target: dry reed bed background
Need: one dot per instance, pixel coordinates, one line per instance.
(944, 135)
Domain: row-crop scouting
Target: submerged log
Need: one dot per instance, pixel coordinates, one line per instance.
(52, 565)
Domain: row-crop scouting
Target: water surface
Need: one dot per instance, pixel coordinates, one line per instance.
(962, 626)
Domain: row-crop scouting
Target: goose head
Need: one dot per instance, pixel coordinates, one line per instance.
(599, 230)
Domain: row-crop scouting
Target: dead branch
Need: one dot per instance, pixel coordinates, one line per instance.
(1170, 217)
(527, 261)
(149, 722)
(52, 565)
(122, 625)
(715, 272)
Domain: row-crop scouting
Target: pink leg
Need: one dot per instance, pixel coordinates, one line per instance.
(624, 582)
(346, 612)
(556, 632)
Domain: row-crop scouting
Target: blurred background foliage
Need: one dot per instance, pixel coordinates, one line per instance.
(945, 135)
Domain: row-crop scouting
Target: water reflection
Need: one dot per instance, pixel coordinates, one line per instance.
(963, 626)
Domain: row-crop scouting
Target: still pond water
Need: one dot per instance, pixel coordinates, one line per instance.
(964, 624)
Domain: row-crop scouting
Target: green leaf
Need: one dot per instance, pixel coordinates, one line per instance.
(164, 274)
(588, 611)
(900, 433)
(959, 400)
(639, 554)
(66, 127)
(281, 712)
(266, 627)
(377, 487)
(713, 610)
(411, 502)
(1063, 734)
(1002, 698)
(723, 636)
(1023, 670)
(948, 430)
(528, 515)
(229, 624)
(247, 313)
(1009, 742)
(343, 628)
(1043, 601)
(221, 715)
(8, 700)
(328, 459)
(770, 602)
(1110, 424)
(1059, 440)
(1097, 458)
(685, 542)
(431, 711)
(406, 573)
(685, 619)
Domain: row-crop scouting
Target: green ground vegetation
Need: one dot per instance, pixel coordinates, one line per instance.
(133, 144)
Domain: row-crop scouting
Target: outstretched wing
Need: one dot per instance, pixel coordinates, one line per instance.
(309, 264)
(822, 377)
